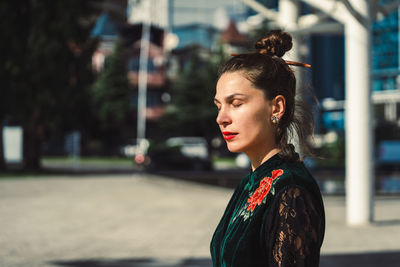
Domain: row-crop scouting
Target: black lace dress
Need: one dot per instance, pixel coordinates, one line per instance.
(274, 218)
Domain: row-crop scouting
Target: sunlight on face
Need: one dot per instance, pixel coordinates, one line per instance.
(244, 115)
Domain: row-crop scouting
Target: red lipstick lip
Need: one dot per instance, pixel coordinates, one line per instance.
(229, 135)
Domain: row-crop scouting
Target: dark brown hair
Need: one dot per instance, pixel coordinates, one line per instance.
(267, 71)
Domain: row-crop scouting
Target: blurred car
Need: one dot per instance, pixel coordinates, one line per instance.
(180, 153)
(132, 149)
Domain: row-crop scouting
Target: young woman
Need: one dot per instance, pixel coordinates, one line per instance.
(276, 215)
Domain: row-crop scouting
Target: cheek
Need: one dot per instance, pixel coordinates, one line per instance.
(263, 130)
(260, 120)
(254, 127)
(254, 119)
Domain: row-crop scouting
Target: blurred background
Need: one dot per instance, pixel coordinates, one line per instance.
(70, 84)
(115, 88)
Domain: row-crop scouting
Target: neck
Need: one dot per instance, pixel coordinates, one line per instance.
(258, 159)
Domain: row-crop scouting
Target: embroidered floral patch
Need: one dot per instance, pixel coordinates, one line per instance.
(262, 191)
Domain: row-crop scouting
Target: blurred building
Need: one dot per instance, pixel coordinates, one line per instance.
(203, 35)
(203, 26)
(157, 82)
(328, 78)
(232, 40)
(206, 29)
(201, 22)
(154, 12)
(386, 68)
(123, 19)
(107, 31)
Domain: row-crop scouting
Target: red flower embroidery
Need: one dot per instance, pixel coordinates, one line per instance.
(262, 191)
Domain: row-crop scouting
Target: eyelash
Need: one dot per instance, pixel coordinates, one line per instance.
(236, 105)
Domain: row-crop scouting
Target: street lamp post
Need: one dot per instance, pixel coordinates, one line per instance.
(142, 88)
(145, 18)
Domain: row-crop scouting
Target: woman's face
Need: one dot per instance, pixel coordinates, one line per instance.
(244, 115)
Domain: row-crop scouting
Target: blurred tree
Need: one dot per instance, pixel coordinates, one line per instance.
(332, 155)
(46, 67)
(111, 92)
(111, 96)
(192, 111)
(14, 27)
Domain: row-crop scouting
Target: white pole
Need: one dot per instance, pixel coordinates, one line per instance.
(359, 135)
(288, 18)
(288, 13)
(142, 83)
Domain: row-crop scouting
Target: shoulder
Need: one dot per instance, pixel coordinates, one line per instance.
(296, 180)
(295, 174)
(297, 199)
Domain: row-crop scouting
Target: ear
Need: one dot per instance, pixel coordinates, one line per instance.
(278, 106)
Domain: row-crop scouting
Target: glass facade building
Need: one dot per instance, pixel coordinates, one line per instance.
(385, 52)
(328, 56)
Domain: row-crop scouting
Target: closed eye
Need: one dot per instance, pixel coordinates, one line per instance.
(236, 103)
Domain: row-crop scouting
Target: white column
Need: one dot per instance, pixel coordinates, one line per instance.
(359, 134)
(289, 11)
(288, 18)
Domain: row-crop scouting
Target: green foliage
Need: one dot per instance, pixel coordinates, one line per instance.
(111, 92)
(332, 155)
(192, 110)
(46, 67)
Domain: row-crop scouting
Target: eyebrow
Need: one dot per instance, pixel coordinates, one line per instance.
(229, 97)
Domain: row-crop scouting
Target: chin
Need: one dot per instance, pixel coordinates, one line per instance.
(234, 148)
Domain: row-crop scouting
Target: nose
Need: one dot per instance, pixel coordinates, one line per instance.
(223, 117)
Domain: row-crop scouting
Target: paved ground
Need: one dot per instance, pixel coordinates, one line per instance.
(145, 220)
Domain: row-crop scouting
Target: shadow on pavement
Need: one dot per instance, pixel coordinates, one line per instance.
(387, 259)
(384, 258)
(222, 178)
(140, 262)
(386, 222)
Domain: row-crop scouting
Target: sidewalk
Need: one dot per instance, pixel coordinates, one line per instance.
(144, 220)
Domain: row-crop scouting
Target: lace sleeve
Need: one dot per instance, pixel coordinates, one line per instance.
(297, 229)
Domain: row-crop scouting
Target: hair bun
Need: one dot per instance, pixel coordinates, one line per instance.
(276, 43)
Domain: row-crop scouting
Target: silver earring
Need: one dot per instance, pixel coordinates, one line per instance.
(275, 119)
